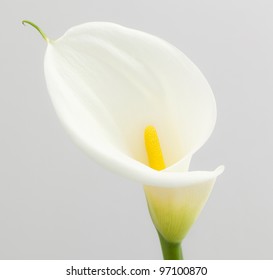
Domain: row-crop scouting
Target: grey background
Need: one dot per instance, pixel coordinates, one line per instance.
(55, 203)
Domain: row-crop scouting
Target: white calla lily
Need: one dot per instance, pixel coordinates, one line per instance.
(107, 84)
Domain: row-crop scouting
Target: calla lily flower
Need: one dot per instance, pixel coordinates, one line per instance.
(108, 83)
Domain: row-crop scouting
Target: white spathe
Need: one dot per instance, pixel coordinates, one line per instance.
(108, 83)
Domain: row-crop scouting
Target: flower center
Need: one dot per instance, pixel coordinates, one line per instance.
(153, 149)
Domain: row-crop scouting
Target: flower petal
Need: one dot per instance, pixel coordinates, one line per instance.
(174, 210)
(108, 82)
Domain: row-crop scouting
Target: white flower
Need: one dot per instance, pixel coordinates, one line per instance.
(107, 84)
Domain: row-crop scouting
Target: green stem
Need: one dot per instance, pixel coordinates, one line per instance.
(37, 28)
(171, 251)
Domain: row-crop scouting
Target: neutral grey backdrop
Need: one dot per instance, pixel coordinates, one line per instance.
(56, 203)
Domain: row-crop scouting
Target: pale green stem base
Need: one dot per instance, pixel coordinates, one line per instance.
(170, 251)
